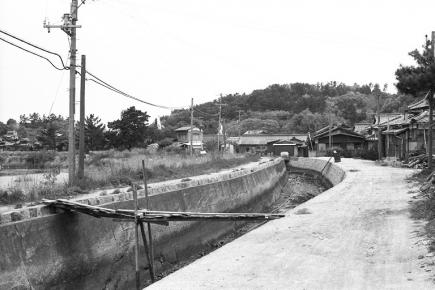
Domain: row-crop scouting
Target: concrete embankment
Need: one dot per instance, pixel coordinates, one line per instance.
(331, 172)
(42, 249)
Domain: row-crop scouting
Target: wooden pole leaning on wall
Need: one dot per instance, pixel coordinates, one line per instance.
(150, 250)
(136, 232)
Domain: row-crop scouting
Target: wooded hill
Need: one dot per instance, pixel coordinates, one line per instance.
(291, 108)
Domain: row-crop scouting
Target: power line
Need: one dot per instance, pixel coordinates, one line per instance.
(100, 82)
(97, 80)
(31, 52)
(35, 46)
(204, 113)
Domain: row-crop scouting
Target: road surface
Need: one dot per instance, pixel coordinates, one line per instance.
(357, 235)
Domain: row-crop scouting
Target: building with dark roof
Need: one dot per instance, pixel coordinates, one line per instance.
(342, 137)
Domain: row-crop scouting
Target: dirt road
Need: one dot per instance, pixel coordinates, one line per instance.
(357, 235)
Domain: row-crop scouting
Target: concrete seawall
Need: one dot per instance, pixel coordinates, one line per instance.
(41, 249)
(332, 172)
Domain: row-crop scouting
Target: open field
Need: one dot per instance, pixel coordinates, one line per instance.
(108, 169)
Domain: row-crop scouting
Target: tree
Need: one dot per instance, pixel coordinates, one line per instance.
(94, 133)
(12, 124)
(418, 80)
(53, 133)
(130, 130)
(3, 128)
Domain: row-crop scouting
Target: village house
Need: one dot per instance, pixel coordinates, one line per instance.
(186, 135)
(342, 137)
(262, 143)
(405, 133)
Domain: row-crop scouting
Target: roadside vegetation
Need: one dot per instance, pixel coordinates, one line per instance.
(423, 205)
(112, 169)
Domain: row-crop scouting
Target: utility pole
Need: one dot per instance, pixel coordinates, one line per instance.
(191, 127)
(220, 104)
(239, 111)
(330, 131)
(378, 115)
(81, 171)
(429, 158)
(69, 27)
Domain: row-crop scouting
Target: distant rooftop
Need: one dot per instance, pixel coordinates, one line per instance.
(187, 128)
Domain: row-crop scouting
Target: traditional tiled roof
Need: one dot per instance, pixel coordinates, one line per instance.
(395, 131)
(187, 128)
(362, 127)
(387, 118)
(263, 139)
(337, 130)
(422, 104)
(423, 117)
(254, 132)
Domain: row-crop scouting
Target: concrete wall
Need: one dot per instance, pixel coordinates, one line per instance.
(332, 172)
(40, 249)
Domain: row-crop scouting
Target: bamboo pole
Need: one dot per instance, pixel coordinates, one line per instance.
(136, 232)
(158, 217)
(147, 199)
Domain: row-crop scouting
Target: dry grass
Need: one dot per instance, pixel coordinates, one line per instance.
(108, 169)
(121, 168)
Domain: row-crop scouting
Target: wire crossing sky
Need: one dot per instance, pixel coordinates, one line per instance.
(166, 52)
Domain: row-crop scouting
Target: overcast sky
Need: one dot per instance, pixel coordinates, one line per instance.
(167, 52)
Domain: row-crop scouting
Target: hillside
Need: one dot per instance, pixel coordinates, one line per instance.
(291, 108)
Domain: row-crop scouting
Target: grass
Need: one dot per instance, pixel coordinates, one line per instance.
(112, 169)
(423, 207)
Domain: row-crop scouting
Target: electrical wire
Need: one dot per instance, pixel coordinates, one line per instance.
(34, 53)
(204, 113)
(33, 45)
(100, 82)
(96, 79)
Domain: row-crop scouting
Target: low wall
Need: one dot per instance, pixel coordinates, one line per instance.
(42, 249)
(332, 172)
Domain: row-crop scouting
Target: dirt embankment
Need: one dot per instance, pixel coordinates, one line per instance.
(299, 188)
(423, 207)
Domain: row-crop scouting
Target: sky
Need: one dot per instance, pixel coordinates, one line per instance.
(167, 52)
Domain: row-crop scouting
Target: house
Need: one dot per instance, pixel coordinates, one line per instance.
(294, 147)
(362, 128)
(341, 136)
(405, 133)
(263, 143)
(187, 134)
(11, 136)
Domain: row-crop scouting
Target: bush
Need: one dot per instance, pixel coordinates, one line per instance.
(12, 195)
(165, 142)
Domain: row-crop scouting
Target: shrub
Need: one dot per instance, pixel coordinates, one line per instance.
(12, 195)
(165, 142)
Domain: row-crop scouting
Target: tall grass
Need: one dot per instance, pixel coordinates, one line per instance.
(108, 169)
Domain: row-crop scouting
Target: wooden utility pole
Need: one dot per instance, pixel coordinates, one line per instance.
(220, 104)
(239, 111)
(72, 97)
(430, 96)
(378, 115)
(330, 131)
(81, 170)
(191, 127)
(69, 27)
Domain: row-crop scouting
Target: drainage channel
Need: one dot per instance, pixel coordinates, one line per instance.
(300, 187)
